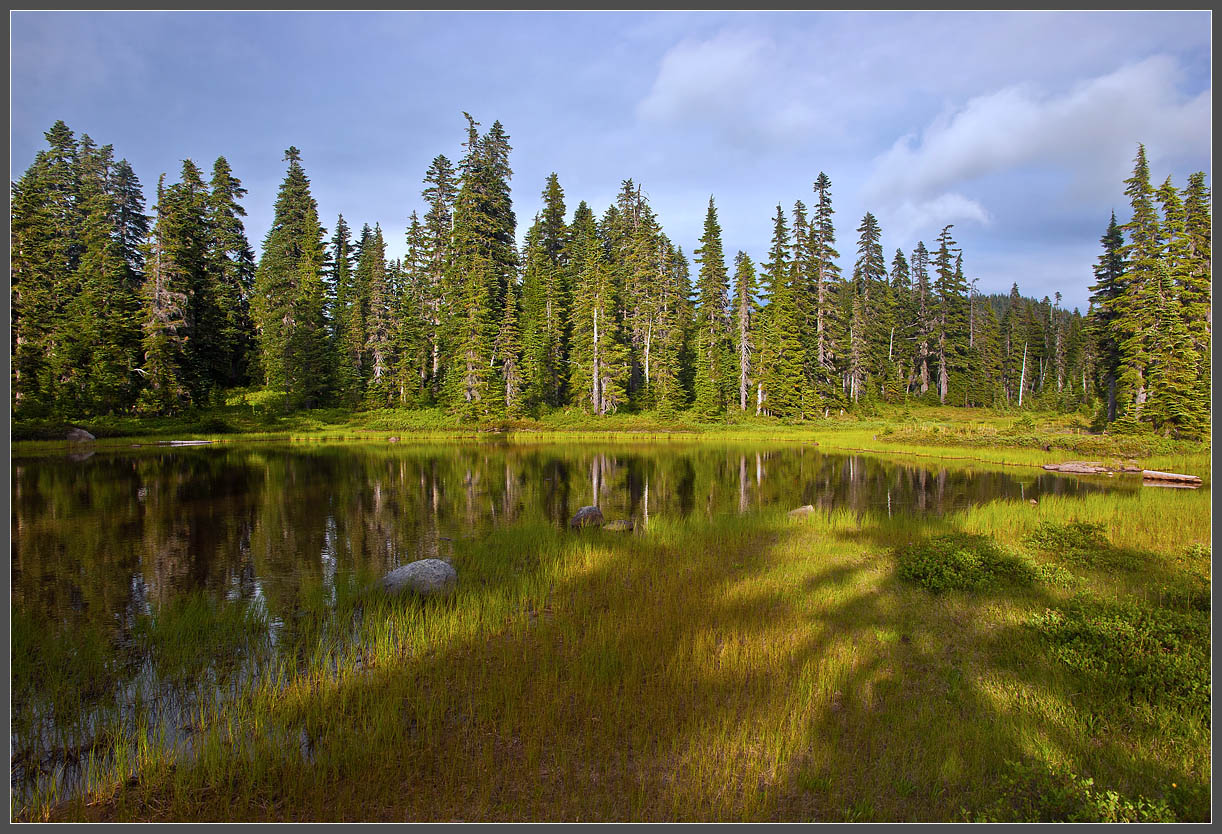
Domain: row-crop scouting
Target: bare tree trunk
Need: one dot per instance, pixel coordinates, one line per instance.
(1022, 379)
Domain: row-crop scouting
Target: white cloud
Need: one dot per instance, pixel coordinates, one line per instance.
(1091, 132)
(732, 83)
(912, 219)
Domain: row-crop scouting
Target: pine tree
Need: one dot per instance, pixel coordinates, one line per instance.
(950, 323)
(923, 307)
(44, 236)
(818, 328)
(413, 345)
(712, 336)
(341, 300)
(599, 372)
(507, 356)
(901, 324)
(441, 194)
(100, 344)
(1134, 323)
(289, 305)
(1106, 292)
(166, 297)
(381, 389)
(232, 270)
(870, 325)
(781, 383)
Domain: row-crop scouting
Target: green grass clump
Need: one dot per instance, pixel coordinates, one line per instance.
(1155, 653)
(1084, 544)
(1036, 792)
(962, 562)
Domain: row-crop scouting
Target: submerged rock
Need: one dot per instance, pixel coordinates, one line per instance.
(587, 517)
(427, 577)
(620, 525)
(76, 435)
(804, 510)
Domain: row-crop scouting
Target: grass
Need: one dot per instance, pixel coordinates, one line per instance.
(740, 667)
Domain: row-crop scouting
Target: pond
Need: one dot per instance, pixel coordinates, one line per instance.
(101, 541)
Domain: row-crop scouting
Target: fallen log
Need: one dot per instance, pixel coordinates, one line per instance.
(1078, 467)
(1174, 477)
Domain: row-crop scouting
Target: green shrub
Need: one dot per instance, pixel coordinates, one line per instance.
(1030, 792)
(962, 562)
(1149, 652)
(1084, 544)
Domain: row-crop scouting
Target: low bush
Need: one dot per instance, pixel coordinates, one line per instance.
(1035, 792)
(1157, 654)
(962, 562)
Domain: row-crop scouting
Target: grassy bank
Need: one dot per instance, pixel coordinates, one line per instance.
(1005, 662)
(1026, 439)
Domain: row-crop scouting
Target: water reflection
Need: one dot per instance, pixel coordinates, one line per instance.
(108, 537)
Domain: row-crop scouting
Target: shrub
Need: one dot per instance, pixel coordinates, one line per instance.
(1084, 544)
(1030, 792)
(1151, 652)
(962, 562)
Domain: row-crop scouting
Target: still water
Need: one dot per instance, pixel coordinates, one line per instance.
(108, 536)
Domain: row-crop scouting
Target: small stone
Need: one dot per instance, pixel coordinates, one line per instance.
(620, 525)
(392, 440)
(427, 577)
(76, 435)
(804, 510)
(587, 517)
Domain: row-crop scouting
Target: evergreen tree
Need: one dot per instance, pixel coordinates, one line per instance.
(289, 305)
(901, 315)
(820, 334)
(166, 297)
(381, 388)
(232, 270)
(779, 391)
(712, 336)
(344, 306)
(599, 367)
(1134, 307)
(1106, 292)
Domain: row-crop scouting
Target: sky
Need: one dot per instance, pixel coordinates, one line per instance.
(1019, 128)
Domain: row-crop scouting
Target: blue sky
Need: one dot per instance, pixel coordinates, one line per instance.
(1019, 128)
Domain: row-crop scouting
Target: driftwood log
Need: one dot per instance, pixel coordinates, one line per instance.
(1078, 467)
(1170, 477)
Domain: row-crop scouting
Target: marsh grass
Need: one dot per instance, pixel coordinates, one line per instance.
(738, 667)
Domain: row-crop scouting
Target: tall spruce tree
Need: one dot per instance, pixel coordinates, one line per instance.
(289, 305)
(712, 335)
(232, 269)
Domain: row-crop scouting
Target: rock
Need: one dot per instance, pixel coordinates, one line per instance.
(76, 435)
(427, 577)
(804, 510)
(620, 525)
(392, 440)
(586, 517)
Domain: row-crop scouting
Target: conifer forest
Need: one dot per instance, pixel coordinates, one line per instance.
(127, 302)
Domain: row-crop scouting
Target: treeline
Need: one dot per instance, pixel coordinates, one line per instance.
(114, 311)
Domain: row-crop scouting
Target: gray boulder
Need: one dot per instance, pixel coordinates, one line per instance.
(804, 510)
(76, 435)
(587, 517)
(427, 577)
(620, 525)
